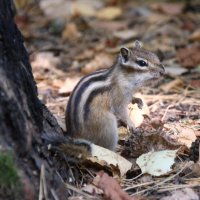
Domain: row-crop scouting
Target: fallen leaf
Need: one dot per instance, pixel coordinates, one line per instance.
(109, 25)
(65, 9)
(87, 54)
(83, 8)
(100, 61)
(56, 9)
(157, 163)
(45, 60)
(182, 194)
(108, 158)
(157, 18)
(195, 84)
(171, 85)
(71, 32)
(125, 34)
(136, 114)
(69, 85)
(110, 187)
(57, 83)
(171, 8)
(189, 57)
(180, 133)
(195, 36)
(109, 13)
(175, 70)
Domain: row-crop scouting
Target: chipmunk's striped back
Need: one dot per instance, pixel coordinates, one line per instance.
(78, 107)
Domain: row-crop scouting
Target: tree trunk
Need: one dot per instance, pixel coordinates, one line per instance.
(20, 109)
(22, 116)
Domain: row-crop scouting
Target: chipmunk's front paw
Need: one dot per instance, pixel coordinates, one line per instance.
(138, 101)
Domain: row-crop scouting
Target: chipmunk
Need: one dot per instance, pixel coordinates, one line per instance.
(100, 99)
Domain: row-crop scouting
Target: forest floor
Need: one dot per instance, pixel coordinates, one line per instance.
(69, 39)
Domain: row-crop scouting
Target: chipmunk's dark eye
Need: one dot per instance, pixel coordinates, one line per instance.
(141, 63)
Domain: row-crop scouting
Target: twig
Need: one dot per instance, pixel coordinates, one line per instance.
(132, 179)
(43, 187)
(175, 187)
(54, 194)
(68, 186)
(139, 185)
(168, 107)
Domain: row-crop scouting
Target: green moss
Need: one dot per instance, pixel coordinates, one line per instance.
(8, 171)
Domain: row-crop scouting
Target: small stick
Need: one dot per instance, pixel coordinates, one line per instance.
(68, 186)
(175, 187)
(139, 185)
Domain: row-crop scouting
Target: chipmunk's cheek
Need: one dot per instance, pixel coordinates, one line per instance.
(156, 74)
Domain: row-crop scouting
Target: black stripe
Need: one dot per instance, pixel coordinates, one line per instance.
(82, 89)
(68, 110)
(92, 95)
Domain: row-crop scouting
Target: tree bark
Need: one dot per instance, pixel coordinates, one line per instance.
(22, 116)
(20, 109)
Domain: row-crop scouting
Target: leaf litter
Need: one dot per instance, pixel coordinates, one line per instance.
(67, 39)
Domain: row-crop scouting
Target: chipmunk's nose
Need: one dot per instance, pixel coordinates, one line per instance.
(162, 70)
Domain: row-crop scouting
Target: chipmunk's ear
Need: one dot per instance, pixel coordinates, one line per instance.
(125, 53)
(137, 44)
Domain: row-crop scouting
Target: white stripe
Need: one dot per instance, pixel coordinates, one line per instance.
(80, 84)
(94, 86)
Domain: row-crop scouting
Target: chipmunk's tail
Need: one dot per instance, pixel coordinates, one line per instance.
(73, 150)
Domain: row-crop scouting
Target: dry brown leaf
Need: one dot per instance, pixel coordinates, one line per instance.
(45, 60)
(69, 85)
(171, 8)
(109, 25)
(83, 8)
(172, 84)
(189, 57)
(157, 18)
(111, 187)
(55, 9)
(181, 133)
(109, 13)
(56, 83)
(195, 36)
(87, 54)
(195, 84)
(100, 61)
(125, 34)
(71, 32)
(65, 9)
